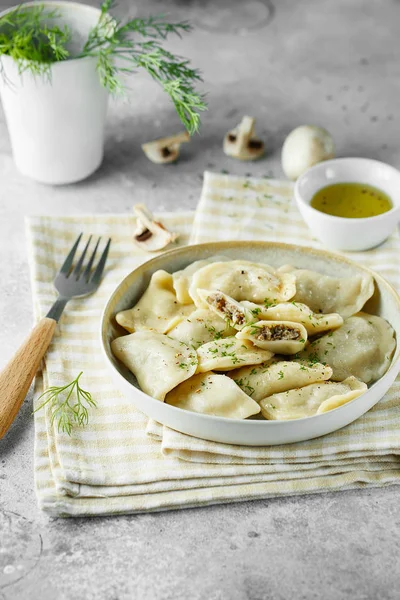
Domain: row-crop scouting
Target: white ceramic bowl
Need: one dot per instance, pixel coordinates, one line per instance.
(340, 233)
(385, 302)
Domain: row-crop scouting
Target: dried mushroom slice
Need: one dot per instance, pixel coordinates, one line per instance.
(150, 235)
(241, 142)
(165, 150)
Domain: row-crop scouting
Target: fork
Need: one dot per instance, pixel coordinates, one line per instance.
(70, 282)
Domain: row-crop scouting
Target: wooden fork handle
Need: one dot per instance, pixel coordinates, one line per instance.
(17, 376)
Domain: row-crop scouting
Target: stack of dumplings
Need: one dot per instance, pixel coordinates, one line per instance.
(234, 338)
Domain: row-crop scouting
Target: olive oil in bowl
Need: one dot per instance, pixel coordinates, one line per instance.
(351, 200)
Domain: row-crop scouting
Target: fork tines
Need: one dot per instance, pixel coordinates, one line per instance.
(67, 268)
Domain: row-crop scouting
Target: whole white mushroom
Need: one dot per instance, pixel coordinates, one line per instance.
(304, 147)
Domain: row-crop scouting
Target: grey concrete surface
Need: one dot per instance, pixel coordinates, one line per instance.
(334, 63)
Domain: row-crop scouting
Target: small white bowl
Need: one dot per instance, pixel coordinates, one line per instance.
(341, 233)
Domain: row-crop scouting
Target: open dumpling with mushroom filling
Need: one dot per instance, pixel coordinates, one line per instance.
(183, 278)
(310, 400)
(158, 362)
(363, 346)
(243, 280)
(280, 337)
(325, 294)
(228, 354)
(158, 309)
(213, 394)
(277, 376)
(200, 327)
(235, 313)
(298, 313)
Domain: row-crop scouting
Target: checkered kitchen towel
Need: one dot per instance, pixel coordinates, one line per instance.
(123, 463)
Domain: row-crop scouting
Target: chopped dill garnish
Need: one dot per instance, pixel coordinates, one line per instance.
(245, 386)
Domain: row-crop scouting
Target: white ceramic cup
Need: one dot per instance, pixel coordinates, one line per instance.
(56, 127)
(341, 233)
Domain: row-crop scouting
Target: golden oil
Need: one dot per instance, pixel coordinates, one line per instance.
(351, 200)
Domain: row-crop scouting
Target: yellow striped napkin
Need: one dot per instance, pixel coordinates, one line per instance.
(123, 463)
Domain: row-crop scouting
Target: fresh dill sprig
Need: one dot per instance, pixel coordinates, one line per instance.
(117, 52)
(67, 405)
(30, 37)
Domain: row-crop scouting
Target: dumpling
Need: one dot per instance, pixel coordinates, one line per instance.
(243, 280)
(363, 346)
(158, 309)
(213, 394)
(325, 294)
(278, 376)
(228, 354)
(200, 327)
(297, 313)
(310, 400)
(227, 308)
(183, 278)
(158, 362)
(280, 337)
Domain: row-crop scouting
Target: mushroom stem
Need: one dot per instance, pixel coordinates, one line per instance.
(241, 142)
(245, 132)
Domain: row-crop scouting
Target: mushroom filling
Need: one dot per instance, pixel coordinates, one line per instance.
(277, 332)
(233, 313)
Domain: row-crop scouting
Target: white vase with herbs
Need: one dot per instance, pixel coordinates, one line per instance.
(59, 61)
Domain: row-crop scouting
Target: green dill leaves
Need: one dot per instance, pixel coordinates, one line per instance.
(222, 351)
(268, 302)
(217, 334)
(244, 385)
(113, 41)
(29, 36)
(32, 37)
(68, 405)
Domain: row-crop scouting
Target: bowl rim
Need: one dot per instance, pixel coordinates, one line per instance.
(262, 244)
(335, 219)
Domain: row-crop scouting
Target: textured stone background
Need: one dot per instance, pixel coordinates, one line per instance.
(334, 63)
